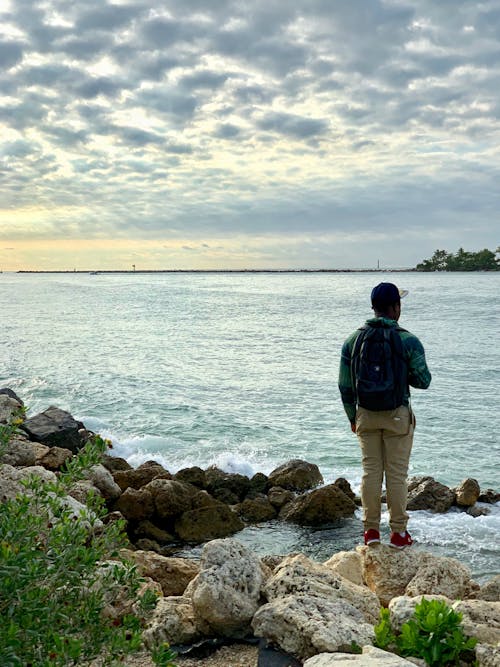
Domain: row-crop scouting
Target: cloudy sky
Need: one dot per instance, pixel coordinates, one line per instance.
(247, 134)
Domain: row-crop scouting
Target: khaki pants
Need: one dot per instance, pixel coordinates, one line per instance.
(386, 440)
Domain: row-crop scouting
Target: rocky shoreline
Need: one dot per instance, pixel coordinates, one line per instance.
(315, 612)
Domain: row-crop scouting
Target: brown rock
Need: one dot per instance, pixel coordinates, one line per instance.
(147, 529)
(319, 507)
(259, 484)
(193, 475)
(141, 476)
(19, 452)
(136, 504)
(296, 475)
(344, 486)
(386, 571)
(229, 488)
(437, 575)
(430, 495)
(489, 496)
(279, 497)
(55, 458)
(171, 498)
(490, 590)
(173, 574)
(254, 510)
(467, 493)
(115, 463)
(207, 523)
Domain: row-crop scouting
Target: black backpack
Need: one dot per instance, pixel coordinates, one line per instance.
(378, 368)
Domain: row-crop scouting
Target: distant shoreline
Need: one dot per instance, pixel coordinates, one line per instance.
(111, 271)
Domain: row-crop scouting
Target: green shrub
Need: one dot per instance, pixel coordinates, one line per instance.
(54, 589)
(433, 633)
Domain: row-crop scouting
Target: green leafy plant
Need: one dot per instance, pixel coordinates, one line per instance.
(163, 655)
(55, 587)
(433, 633)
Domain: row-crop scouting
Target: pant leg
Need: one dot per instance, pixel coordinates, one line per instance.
(398, 441)
(371, 442)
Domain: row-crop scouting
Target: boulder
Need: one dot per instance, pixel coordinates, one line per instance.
(386, 571)
(55, 428)
(55, 458)
(40, 451)
(259, 484)
(136, 504)
(141, 476)
(227, 487)
(172, 622)
(9, 392)
(467, 493)
(80, 490)
(489, 496)
(371, 657)
(255, 510)
(430, 495)
(305, 625)
(490, 590)
(299, 574)
(10, 479)
(9, 406)
(348, 564)
(115, 463)
(476, 511)
(319, 507)
(103, 480)
(402, 607)
(279, 497)
(487, 655)
(148, 530)
(193, 475)
(19, 452)
(344, 486)
(207, 523)
(439, 575)
(226, 592)
(173, 574)
(296, 475)
(170, 498)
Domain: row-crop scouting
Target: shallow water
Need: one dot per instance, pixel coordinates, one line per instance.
(240, 371)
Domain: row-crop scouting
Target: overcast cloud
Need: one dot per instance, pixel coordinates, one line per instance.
(217, 133)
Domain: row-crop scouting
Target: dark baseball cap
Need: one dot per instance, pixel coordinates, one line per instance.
(387, 293)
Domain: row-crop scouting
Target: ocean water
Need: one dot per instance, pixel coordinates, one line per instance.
(240, 371)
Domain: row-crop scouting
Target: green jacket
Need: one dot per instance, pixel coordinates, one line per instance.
(418, 374)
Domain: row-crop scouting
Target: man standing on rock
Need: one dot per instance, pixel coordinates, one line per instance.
(379, 362)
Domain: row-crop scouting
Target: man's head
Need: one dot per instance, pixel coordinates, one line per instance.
(386, 300)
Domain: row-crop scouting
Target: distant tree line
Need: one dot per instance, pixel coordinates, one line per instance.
(462, 260)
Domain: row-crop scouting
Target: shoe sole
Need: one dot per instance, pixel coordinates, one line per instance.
(403, 546)
(370, 542)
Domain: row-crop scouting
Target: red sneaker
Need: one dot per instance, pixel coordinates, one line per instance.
(399, 541)
(372, 536)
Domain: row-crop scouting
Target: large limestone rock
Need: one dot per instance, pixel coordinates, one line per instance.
(226, 592)
(20, 452)
(55, 428)
(141, 476)
(10, 479)
(490, 590)
(487, 655)
(386, 571)
(207, 523)
(468, 492)
(441, 576)
(348, 564)
(9, 406)
(371, 657)
(55, 458)
(172, 622)
(321, 506)
(304, 625)
(296, 475)
(103, 480)
(430, 495)
(300, 575)
(173, 574)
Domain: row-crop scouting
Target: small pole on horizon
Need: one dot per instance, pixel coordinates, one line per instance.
(378, 264)
(133, 266)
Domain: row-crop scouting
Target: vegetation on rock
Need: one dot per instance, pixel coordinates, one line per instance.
(462, 260)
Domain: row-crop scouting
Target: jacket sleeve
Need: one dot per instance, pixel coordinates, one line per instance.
(419, 375)
(345, 383)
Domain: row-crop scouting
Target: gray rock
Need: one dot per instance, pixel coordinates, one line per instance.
(371, 657)
(12, 394)
(296, 475)
(490, 590)
(103, 480)
(439, 575)
(172, 622)
(8, 408)
(279, 497)
(19, 452)
(55, 428)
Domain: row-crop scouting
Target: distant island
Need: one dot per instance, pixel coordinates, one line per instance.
(462, 260)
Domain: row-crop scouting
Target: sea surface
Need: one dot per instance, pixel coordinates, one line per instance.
(239, 370)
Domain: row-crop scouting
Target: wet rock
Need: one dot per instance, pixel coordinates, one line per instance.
(489, 496)
(9, 406)
(490, 590)
(148, 530)
(115, 463)
(259, 484)
(430, 495)
(55, 458)
(55, 428)
(229, 488)
(141, 476)
(476, 511)
(279, 497)
(171, 498)
(296, 475)
(255, 510)
(136, 504)
(193, 475)
(321, 506)
(173, 574)
(5, 391)
(344, 486)
(207, 523)
(467, 493)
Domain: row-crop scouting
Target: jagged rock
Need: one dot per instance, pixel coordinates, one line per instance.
(305, 625)
(439, 575)
(299, 574)
(319, 507)
(170, 498)
(387, 572)
(489, 496)
(8, 407)
(259, 484)
(430, 495)
(279, 497)
(193, 475)
(254, 510)
(10, 480)
(80, 490)
(103, 480)
(55, 428)
(296, 475)
(118, 600)
(207, 523)
(402, 607)
(19, 452)
(476, 511)
(55, 458)
(173, 574)
(487, 656)
(467, 493)
(172, 622)
(115, 463)
(141, 476)
(371, 657)
(136, 504)
(344, 486)
(40, 451)
(229, 488)
(226, 592)
(348, 564)
(490, 590)
(12, 394)
(147, 529)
